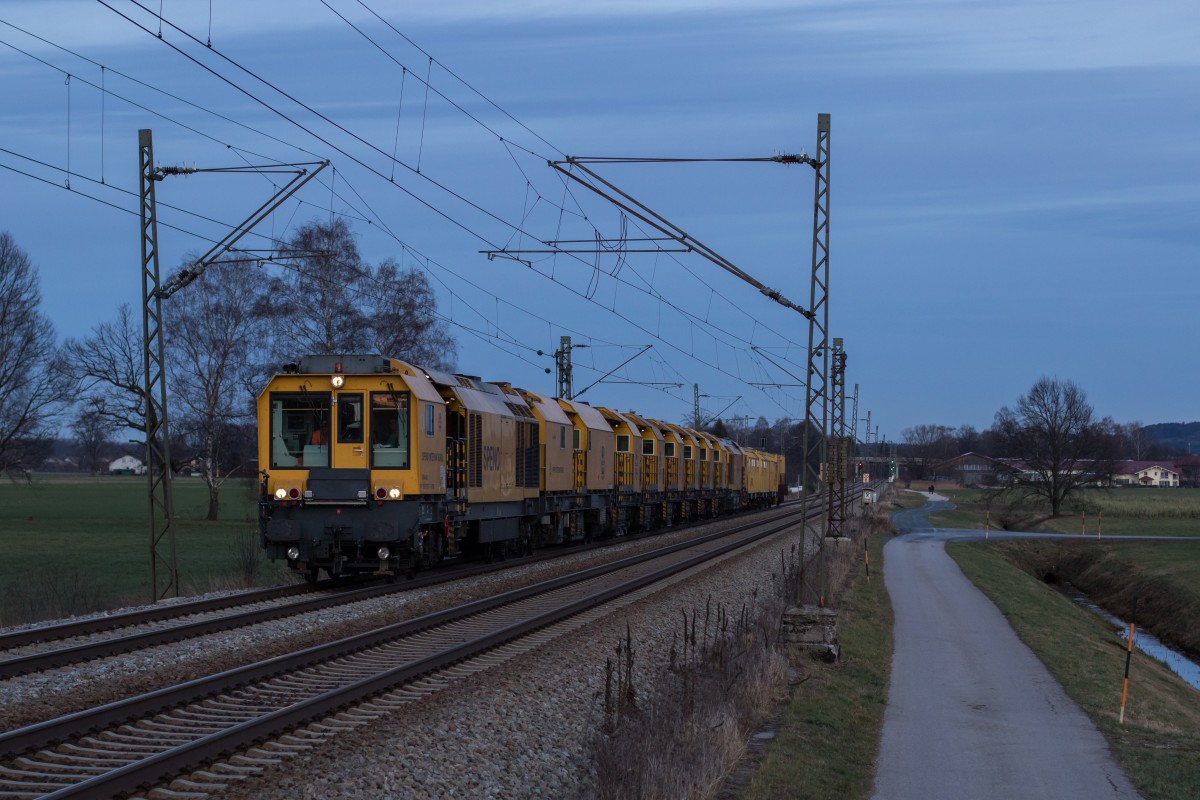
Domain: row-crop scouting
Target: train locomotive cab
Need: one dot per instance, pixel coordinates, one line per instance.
(353, 454)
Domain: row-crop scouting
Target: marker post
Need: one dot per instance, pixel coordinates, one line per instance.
(1128, 656)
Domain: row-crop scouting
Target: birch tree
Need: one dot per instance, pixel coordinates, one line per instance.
(213, 342)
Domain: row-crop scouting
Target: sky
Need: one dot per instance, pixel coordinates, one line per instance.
(1014, 187)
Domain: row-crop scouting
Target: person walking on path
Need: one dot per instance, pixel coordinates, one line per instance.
(971, 712)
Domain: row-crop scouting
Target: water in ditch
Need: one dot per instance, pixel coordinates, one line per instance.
(1148, 643)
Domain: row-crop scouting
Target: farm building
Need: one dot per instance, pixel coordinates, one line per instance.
(126, 465)
(972, 469)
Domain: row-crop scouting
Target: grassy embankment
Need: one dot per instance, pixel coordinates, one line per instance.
(828, 733)
(1159, 742)
(74, 544)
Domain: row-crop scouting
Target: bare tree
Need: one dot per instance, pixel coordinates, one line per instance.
(738, 430)
(107, 367)
(404, 321)
(762, 435)
(1137, 443)
(31, 389)
(331, 301)
(968, 440)
(214, 332)
(925, 446)
(93, 428)
(1053, 431)
(318, 305)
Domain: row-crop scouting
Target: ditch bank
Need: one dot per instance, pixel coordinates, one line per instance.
(1116, 575)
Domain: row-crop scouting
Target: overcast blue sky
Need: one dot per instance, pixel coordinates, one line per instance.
(1014, 185)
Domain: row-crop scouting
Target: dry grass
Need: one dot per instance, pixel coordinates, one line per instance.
(49, 593)
(839, 703)
(680, 734)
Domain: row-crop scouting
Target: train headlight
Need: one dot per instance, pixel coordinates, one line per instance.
(293, 553)
(338, 381)
(383, 553)
(394, 494)
(280, 493)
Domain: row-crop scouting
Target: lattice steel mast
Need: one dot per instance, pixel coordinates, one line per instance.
(839, 452)
(816, 404)
(854, 432)
(158, 454)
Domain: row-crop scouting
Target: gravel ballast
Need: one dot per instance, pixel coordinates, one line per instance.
(527, 728)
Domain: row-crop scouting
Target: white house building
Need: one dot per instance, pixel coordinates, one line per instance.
(126, 465)
(1145, 473)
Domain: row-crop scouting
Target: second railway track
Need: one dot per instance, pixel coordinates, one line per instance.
(54, 646)
(131, 744)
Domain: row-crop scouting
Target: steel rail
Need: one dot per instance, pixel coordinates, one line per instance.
(159, 613)
(42, 734)
(63, 656)
(145, 771)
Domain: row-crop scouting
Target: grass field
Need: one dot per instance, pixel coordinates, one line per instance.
(1159, 742)
(75, 544)
(1127, 512)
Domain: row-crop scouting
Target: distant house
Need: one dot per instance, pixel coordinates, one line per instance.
(1145, 473)
(972, 469)
(126, 465)
(57, 464)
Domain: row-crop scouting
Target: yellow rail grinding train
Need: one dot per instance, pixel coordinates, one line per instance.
(373, 465)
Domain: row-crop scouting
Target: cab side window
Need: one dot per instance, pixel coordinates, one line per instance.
(389, 430)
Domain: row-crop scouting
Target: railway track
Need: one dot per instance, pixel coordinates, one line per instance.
(131, 744)
(51, 647)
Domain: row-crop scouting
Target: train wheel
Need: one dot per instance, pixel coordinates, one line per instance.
(312, 573)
